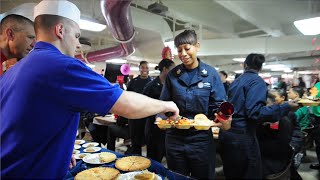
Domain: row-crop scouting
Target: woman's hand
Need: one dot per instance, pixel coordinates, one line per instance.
(222, 123)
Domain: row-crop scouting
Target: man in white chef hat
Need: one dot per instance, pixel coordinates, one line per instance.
(43, 95)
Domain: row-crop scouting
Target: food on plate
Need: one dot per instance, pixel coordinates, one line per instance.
(106, 157)
(98, 173)
(78, 142)
(201, 122)
(82, 156)
(75, 151)
(164, 124)
(133, 163)
(90, 150)
(308, 102)
(184, 123)
(146, 175)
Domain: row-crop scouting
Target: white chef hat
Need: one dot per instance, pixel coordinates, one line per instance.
(58, 7)
(25, 10)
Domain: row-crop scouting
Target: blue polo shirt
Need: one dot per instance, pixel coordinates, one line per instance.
(41, 97)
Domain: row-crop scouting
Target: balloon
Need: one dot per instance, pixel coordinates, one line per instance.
(125, 69)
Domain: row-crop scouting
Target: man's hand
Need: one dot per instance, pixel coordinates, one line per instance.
(221, 123)
(72, 163)
(171, 107)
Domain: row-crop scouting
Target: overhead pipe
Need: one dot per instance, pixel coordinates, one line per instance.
(119, 21)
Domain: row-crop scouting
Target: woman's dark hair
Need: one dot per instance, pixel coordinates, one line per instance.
(164, 63)
(186, 37)
(142, 62)
(224, 73)
(254, 61)
(298, 90)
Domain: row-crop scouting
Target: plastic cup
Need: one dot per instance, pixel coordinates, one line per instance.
(226, 110)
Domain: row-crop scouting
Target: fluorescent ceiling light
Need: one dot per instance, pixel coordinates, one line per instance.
(154, 72)
(91, 26)
(274, 66)
(239, 59)
(116, 61)
(308, 26)
(152, 65)
(134, 68)
(279, 69)
(288, 70)
(265, 74)
(170, 44)
(216, 68)
(238, 71)
(307, 72)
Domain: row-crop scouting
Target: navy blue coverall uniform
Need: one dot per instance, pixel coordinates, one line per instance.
(240, 150)
(136, 128)
(155, 137)
(194, 91)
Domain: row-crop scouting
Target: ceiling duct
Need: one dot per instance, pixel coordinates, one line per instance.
(158, 8)
(118, 18)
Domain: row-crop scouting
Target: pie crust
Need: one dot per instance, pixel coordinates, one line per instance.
(133, 163)
(103, 173)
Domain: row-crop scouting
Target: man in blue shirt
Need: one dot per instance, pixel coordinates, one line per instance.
(42, 95)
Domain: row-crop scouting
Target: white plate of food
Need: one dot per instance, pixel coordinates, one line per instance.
(75, 151)
(76, 146)
(100, 158)
(81, 155)
(90, 144)
(92, 149)
(79, 141)
(139, 175)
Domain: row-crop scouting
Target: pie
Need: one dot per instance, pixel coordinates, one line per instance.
(145, 176)
(133, 163)
(90, 150)
(103, 173)
(106, 157)
(201, 122)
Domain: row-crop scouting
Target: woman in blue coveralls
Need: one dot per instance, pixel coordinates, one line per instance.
(196, 88)
(240, 151)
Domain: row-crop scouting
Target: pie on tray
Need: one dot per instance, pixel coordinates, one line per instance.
(106, 157)
(201, 122)
(133, 163)
(98, 173)
(146, 175)
(308, 102)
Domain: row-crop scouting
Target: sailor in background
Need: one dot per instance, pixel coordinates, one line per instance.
(196, 88)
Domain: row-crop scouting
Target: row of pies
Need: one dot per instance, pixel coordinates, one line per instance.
(200, 122)
(129, 163)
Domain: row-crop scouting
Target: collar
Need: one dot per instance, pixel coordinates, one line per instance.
(139, 77)
(251, 71)
(45, 45)
(202, 71)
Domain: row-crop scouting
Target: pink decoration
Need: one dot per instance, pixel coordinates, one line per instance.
(317, 61)
(125, 69)
(166, 53)
(318, 48)
(314, 40)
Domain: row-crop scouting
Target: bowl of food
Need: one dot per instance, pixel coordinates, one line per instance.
(184, 123)
(164, 124)
(201, 122)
